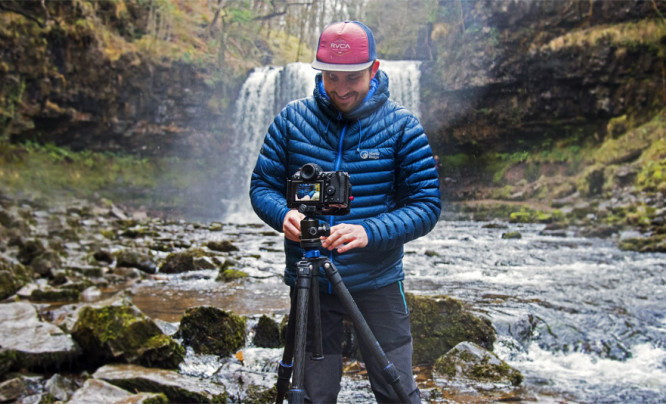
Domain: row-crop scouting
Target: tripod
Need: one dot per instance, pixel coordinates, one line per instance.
(307, 297)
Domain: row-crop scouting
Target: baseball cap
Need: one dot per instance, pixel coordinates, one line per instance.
(347, 46)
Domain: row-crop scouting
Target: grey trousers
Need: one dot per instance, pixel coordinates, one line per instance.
(386, 313)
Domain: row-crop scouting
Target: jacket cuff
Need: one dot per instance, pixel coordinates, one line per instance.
(368, 232)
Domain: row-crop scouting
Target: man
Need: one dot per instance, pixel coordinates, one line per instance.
(349, 124)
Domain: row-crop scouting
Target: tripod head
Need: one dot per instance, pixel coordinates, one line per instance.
(312, 229)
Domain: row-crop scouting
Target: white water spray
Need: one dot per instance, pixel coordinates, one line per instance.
(265, 92)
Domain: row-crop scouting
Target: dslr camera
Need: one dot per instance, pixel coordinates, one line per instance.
(321, 192)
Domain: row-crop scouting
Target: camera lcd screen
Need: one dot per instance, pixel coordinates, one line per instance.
(308, 192)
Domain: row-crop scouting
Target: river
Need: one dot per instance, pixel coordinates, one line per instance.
(582, 320)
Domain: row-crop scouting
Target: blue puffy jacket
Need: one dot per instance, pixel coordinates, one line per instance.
(391, 168)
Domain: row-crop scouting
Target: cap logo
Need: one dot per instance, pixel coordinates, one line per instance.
(340, 46)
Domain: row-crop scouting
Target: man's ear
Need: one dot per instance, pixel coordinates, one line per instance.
(375, 67)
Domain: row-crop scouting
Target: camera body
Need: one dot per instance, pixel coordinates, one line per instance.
(324, 192)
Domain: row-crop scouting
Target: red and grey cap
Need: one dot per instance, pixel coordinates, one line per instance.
(345, 47)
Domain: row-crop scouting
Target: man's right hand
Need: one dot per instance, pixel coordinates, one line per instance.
(291, 226)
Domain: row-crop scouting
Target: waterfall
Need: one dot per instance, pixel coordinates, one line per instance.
(265, 92)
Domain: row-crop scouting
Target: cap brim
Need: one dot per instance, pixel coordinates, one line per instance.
(341, 67)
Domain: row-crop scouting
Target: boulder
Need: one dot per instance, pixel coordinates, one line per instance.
(440, 323)
(209, 330)
(31, 343)
(133, 259)
(222, 246)
(12, 389)
(13, 276)
(99, 391)
(176, 387)
(122, 333)
(469, 361)
(266, 333)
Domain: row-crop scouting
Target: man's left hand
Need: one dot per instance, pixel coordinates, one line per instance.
(344, 237)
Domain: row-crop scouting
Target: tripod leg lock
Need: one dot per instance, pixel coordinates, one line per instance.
(282, 385)
(391, 375)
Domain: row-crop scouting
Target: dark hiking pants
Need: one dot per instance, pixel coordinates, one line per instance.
(386, 313)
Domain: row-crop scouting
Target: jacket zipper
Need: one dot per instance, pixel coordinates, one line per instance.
(338, 162)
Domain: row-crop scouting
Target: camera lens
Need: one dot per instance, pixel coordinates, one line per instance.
(310, 171)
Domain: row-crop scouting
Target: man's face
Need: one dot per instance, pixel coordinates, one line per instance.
(348, 89)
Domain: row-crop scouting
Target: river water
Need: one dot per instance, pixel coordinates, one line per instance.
(582, 320)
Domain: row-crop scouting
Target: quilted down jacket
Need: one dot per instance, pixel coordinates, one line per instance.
(385, 151)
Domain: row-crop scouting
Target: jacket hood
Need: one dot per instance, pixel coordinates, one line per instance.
(377, 99)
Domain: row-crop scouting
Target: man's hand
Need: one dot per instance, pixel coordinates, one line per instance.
(291, 226)
(344, 237)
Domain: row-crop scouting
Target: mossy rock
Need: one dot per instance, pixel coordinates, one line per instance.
(29, 251)
(655, 244)
(13, 277)
(121, 333)
(55, 295)
(209, 330)
(133, 259)
(438, 324)
(222, 246)
(266, 333)
(512, 235)
(470, 361)
(178, 262)
(230, 275)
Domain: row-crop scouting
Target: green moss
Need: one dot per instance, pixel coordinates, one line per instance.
(440, 324)
(209, 330)
(230, 275)
(122, 333)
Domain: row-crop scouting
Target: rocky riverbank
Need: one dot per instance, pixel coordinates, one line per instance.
(71, 330)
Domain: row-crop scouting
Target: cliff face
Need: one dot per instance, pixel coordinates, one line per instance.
(72, 74)
(512, 74)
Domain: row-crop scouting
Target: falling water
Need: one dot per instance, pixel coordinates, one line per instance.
(265, 92)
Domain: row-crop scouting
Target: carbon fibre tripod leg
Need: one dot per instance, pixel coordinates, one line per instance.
(389, 371)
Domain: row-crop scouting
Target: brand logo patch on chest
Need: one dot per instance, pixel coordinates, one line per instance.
(369, 154)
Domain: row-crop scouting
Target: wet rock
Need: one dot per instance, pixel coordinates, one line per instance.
(440, 323)
(46, 263)
(13, 276)
(470, 361)
(512, 235)
(61, 387)
(177, 388)
(136, 260)
(601, 231)
(230, 275)
(99, 391)
(12, 389)
(120, 332)
(49, 294)
(209, 330)
(34, 344)
(186, 261)
(653, 243)
(177, 263)
(266, 333)
(222, 246)
(103, 256)
(29, 250)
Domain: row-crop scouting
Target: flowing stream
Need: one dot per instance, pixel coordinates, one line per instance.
(582, 320)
